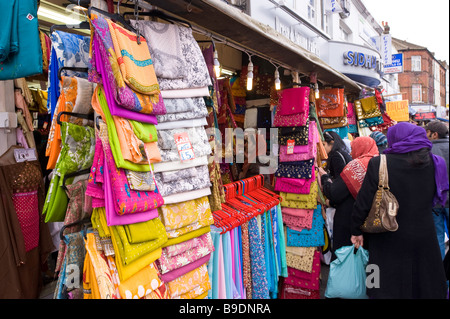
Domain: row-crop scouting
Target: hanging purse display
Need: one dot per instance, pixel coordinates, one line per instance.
(383, 213)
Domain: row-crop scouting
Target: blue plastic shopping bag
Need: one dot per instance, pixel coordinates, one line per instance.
(347, 277)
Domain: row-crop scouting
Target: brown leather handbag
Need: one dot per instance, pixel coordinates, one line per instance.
(383, 213)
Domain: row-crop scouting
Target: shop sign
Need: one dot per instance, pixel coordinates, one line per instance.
(360, 60)
(425, 116)
(396, 66)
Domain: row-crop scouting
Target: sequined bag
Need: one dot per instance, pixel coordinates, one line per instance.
(383, 213)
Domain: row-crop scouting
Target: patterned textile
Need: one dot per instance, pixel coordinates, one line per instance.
(313, 237)
(364, 148)
(125, 199)
(143, 283)
(299, 119)
(302, 169)
(134, 60)
(199, 180)
(100, 267)
(351, 115)
(186, 216)
(304, 201)
(141, 181)
(300, 258)
(293, 185)
(197, 74)
(302, 152)
(188, 281)
(371, 122)
(125, 98)
(260, 288)
(204, 246)
(246, 267)
(297, 133)
(369, 104)
(303, 279)
(362, 115)
(27, 210)
(297, 218)
(330, 103)
(293, 101)
(292, 292)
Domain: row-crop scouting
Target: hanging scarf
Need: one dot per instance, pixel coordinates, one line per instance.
(363, 149)
(406, 137)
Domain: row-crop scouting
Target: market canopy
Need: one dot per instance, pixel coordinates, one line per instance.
(227, 21)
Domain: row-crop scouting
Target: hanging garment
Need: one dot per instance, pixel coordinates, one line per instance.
(260, 289)
(197, 75)
(20, 46)
(123, 100)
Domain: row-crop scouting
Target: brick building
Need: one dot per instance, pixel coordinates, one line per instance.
(423, 80)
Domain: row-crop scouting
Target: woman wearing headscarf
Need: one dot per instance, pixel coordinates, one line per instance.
(341, 191)
(408, 261)
(338, 155)
(380, 139)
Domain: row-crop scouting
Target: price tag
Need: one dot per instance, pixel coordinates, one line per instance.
(184, 146)
(25, 154)
(290, 146)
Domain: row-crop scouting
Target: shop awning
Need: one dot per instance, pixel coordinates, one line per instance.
(229, 22)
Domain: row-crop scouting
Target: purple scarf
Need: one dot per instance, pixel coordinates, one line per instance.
(405, 137)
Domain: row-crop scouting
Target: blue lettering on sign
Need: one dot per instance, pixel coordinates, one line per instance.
(360, 59)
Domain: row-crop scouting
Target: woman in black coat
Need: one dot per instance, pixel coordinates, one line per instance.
(338, 155)
(342, 190)
(408, 261)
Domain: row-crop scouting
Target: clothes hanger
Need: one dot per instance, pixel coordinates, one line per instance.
(159, 14)
(79, 222)
(71, 68)
(83, 25)
(113, 16)
(80, 115)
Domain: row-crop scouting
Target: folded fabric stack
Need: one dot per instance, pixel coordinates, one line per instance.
(128, 235)
(368, 112)
(295, 179)
(182, 175)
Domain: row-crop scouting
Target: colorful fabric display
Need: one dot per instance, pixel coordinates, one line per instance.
(299, 134)
(304, 201)
(301, 169)
(330, 103)
(199, 180)
(300, 258)
(313, 237)
(125, 98)
(293, 101)
(373, 111)
(143, 283)
(302, 152)
(188, 282)
(297, 219)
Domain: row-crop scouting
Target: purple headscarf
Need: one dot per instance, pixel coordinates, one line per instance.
(405, 137)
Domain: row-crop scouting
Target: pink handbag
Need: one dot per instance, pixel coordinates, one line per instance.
(293, 101)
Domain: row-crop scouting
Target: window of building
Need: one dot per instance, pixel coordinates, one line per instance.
(416, 63)
(416, 93)
(312, 10)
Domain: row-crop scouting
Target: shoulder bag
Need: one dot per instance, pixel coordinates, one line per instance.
(383, 213)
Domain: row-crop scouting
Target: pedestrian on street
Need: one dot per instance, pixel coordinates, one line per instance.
(338, 156)
(437, 133)
(380, 139)
(408, 260)
(342, 190)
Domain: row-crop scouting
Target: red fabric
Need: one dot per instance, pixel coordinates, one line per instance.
(293, 101)
(27, 210)
(303, 279)
(330, 103)
(363, 149)
(291, 292)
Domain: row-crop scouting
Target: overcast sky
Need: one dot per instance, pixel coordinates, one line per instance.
(425, 23)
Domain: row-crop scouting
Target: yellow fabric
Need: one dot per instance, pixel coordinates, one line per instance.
(142, 232)
(134, 60)
(181, 218)
(188, 281)
(202, 296)
(304, 201)
(90, 288)
(128, 270)
(130, 252)
(361, 115)
(141, 284)
(161, 293)
(197, 292)
(398, 110)
(187, 236)
(101, 270)
(369, 104)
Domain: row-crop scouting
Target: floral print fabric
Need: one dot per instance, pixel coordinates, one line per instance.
(199, 180)
(188, 281)
(260, 288)
(302, 169)
(204, 246)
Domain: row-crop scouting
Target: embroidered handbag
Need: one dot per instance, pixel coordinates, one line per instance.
(382, 215)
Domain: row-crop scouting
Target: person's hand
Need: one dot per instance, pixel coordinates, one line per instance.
(357, 241)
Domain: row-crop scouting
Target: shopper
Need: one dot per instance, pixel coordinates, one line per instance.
(407, 262)
(338, 156)
(437, 133)
(341, 191)
(380, 139)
